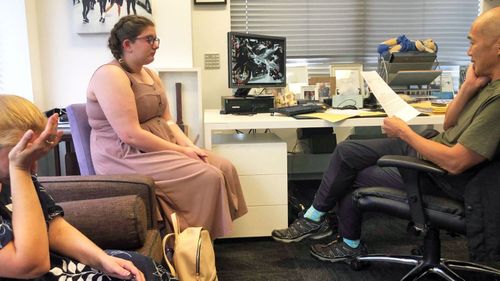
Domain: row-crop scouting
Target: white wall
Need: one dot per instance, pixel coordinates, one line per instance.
(15, 70)
(173, 26)
(67, 60)
(210, 26)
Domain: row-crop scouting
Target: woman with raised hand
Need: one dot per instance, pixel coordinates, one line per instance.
(133, 132)
(35, 240)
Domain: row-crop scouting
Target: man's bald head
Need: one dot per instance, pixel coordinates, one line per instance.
(484, 50)
(488, 23)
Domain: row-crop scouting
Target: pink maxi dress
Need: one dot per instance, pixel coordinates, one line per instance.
(207, 195)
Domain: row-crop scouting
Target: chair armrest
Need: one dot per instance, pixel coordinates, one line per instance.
(112, 223)
(410, 162)
(74, 188)
(410, 169)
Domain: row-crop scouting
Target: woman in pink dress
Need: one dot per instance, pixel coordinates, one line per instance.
(133, 132)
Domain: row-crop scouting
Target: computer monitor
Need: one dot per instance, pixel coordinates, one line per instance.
(255, 61)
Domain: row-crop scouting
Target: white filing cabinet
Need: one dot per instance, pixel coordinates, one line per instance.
(261, 163)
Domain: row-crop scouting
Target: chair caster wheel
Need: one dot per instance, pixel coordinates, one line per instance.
(357, 264)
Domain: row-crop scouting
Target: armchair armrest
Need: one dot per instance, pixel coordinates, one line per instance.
(118, 222)
(74, 188)
(410, 162)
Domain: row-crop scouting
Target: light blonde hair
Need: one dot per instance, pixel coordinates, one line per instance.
(18, 115)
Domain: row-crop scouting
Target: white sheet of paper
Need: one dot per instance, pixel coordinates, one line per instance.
(388, 99)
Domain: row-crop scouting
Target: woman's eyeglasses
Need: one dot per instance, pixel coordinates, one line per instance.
(150, 39)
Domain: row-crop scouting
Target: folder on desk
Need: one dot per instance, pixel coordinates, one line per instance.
(325, 116)
(428, 107)
(336, 115)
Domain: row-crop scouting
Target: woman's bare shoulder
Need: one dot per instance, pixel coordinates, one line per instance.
(107, 78)
(107, 73)
(109, 69)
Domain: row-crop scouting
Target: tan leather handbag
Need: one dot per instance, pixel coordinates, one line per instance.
(194, 257)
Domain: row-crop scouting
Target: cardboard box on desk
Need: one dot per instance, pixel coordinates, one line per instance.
(322, 79)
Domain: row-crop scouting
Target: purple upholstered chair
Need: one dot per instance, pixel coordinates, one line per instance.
(80, 132)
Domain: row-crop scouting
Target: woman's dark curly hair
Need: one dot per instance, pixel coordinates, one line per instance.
(128, 27)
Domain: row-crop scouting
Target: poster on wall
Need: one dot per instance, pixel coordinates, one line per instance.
(99, 16)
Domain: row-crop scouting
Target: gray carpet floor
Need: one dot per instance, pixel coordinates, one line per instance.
(265, 259)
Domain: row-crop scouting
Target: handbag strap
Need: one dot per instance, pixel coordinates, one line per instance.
(176, 224)
(164, 243)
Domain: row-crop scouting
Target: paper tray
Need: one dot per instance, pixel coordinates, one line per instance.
(414, 77)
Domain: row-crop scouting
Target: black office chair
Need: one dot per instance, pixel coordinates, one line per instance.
(428, 214)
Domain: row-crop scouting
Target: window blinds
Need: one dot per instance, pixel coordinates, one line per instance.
(322, 32)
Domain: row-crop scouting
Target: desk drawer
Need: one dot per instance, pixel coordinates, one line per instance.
(260, 221)
(263, 154)
(265, 189)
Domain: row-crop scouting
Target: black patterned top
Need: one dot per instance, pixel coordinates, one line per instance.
(49, 207)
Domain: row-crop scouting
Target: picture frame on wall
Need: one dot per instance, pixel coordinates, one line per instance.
(94, 17)
(209, 2)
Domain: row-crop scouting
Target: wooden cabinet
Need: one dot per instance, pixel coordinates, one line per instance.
(262, 166)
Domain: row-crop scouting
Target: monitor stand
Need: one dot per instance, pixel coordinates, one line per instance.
(242, 92)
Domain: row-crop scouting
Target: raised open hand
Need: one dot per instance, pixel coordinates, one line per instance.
(32, 147)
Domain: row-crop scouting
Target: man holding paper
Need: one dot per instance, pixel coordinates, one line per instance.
(471, 137)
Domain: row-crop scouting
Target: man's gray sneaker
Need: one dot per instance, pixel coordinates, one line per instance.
(337, 250)
(303, 228)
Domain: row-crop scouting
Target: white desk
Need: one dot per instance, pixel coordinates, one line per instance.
(262, 166)
(214, 121)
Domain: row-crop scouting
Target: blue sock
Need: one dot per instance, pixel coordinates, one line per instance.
(313, 214)
(351, 243)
